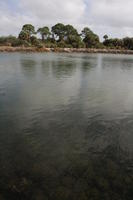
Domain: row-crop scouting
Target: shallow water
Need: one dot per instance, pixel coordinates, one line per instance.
(66, 126)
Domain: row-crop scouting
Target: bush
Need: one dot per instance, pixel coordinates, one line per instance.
(34, 41)
(69, 46)
(19, 42)
(61, 44)
(51, 45)
(39, 45)
(99, 46)
(7, 41)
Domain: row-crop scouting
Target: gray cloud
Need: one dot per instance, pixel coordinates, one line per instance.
(113, 17)
(69, 11)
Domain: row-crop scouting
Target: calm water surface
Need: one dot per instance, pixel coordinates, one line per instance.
(66, 127)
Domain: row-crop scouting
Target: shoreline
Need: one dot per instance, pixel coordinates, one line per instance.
(64, 50)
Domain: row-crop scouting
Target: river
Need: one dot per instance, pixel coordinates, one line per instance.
(66, 126)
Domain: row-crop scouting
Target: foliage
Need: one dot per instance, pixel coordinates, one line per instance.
(58, 31)
(44, 32)
(128, 43)
(86, 31)
(72, 37)
(13, 41)
(23, 35)
(61, 44)
(29, 29)
(34, 41)
(19, 42)
(7, 40)
(114, 43)
(89, 38)
(70, 30)
(105, 37)
(64, 36)
(75, 41)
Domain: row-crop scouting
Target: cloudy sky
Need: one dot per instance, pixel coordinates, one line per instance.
(113, 17)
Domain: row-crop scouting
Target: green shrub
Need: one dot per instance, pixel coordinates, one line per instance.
(8, 41)
(61, 44)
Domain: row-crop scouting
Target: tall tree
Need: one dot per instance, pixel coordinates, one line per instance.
(86, 31)
(115, 43)
(29, 28)
(27, 31)
(72, 37)
(23, 35)
(70, 30)
(44, 32)
(128, 43)
(105, 37)
(89, 38)
(75, 41)
(58, 31)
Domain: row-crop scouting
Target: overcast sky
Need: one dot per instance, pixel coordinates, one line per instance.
(112, 17)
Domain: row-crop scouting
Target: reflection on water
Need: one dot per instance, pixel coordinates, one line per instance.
(63, 68)
(28, 66)
(66, 126)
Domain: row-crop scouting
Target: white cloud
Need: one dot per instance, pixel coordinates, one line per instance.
(11, 21)
(39, 13)
(116, 13)
(67, 11)
(113, 17)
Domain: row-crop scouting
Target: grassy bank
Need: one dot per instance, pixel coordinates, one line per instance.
(67, 50)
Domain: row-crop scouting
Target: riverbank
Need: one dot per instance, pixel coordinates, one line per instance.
(66, 50)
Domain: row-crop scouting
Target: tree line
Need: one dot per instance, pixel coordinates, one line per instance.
(63, 36)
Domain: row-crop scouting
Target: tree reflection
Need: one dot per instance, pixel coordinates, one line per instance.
(63, 68)
(28, 67)
(46, 67)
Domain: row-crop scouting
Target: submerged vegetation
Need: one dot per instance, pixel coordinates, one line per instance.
(63, 36)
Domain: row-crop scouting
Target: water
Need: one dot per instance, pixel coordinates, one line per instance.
(66, 126)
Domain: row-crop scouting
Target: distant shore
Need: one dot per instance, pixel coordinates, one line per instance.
(64, 50)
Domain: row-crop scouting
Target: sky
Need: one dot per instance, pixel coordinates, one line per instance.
(111, 17)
